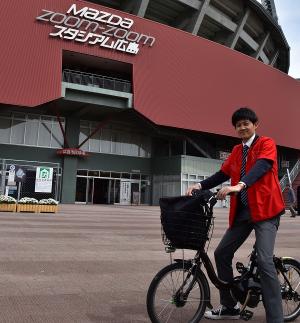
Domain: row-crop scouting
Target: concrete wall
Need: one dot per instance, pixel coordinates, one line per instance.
(166, 165)
(199, 165)
(29, 153)
(167, 173)
(165, 185)
(117, 163)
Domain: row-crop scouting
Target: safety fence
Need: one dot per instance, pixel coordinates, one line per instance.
(101, 81)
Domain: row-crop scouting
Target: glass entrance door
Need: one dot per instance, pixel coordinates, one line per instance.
(90, 190)
(103, 190)
(130, 191)
(81, 189)
(135, 192)
(114, 191)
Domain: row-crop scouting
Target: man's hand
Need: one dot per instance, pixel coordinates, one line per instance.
(193, 187)
(229, 189)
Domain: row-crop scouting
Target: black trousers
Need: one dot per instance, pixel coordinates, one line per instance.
(234, 237)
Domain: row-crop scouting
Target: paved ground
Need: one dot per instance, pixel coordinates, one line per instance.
(93, 263)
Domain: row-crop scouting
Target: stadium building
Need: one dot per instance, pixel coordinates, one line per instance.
(125, 101)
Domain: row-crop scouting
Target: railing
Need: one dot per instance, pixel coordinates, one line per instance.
(95, 80)
(293, 174)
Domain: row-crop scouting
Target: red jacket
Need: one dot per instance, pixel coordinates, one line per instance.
(264, 196)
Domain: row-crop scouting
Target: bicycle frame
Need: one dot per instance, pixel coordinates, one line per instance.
(245, 288)
(194, 267)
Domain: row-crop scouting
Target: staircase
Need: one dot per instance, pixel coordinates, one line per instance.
(295, 180)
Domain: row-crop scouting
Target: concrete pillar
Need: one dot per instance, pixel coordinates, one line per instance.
(274, 58)
(69, 168)
(261, 46)
(3, 174)
(233, 40)
(198, 18)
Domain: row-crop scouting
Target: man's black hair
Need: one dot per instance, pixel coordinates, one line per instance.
(243, 113)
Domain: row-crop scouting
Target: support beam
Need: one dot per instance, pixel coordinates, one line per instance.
(65, 143)
(226, 6)
(68, 189)
(220, 18)
(274, 58)
(249, 40)
(99, 126)
(261, 46)
(195, 145)
(198, 18)
(264, 58)
(232, 42)
(141, 7)
(195, 4)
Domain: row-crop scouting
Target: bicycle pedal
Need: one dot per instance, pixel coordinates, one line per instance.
(246, 315)
(169, 249)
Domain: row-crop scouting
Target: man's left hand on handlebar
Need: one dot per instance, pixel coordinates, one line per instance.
(192, 188)
(222, 192)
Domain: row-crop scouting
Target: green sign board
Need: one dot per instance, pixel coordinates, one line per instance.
(43, 179)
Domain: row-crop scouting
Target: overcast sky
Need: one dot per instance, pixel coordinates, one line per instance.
(288, 12)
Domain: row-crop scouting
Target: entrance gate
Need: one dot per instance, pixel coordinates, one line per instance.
(108, 190)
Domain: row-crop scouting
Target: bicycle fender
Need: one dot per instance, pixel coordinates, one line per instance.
(289, 258)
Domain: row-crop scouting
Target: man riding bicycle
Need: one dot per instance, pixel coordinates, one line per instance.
(256, 203)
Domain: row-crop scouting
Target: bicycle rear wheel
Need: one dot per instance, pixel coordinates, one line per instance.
(290, 294)
(165, 299)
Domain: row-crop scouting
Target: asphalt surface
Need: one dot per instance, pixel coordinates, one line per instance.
(95, 263)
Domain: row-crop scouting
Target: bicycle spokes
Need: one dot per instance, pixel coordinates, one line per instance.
(176, 296)
(289, 283)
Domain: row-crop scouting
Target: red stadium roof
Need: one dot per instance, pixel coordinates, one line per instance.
(181, 81)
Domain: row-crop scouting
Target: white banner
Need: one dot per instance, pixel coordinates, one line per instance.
(43, 179)
(125, 192)
(11, 175)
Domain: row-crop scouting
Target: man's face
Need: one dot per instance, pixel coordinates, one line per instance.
(245, 129)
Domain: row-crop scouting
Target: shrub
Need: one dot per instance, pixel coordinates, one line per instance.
(7, 200)
(28, 200)
(48, 202)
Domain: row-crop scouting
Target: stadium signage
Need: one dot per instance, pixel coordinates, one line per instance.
(96, 28)
(71, 152)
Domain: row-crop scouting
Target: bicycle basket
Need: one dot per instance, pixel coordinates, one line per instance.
(185, 222)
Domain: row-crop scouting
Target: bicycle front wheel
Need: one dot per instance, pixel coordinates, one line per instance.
(168, 300)
(290, 289)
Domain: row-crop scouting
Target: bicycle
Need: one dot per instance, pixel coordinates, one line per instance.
(180, 292)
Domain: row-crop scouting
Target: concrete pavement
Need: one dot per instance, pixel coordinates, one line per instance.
(94, 263)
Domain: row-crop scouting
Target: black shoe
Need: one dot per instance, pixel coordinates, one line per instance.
(223, 313)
